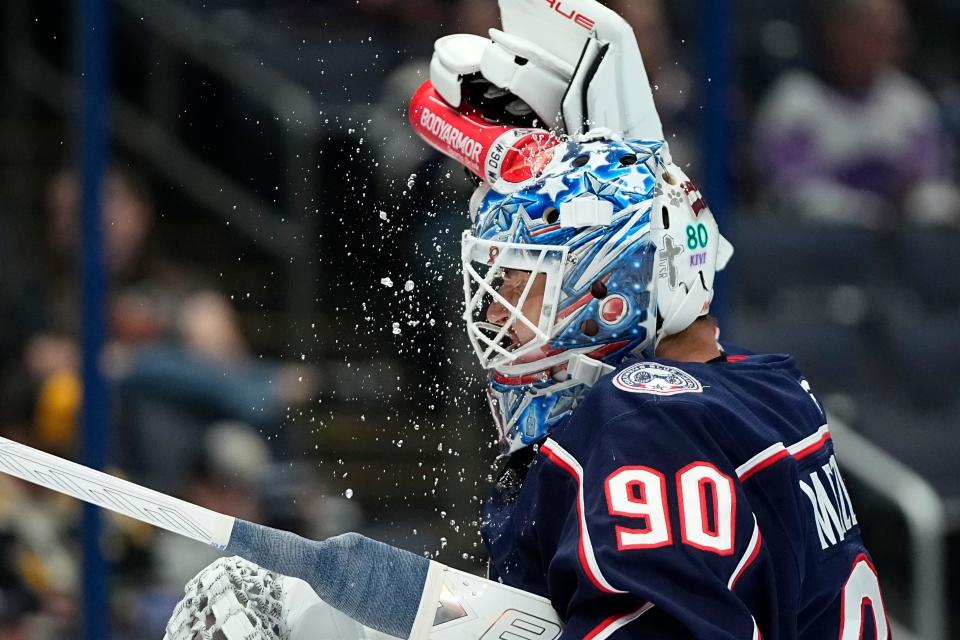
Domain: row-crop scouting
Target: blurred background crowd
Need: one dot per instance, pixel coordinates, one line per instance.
(284, 340)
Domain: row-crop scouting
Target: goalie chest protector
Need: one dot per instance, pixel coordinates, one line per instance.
(693, 500)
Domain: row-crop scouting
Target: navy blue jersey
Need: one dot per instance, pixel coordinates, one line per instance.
(689, 500)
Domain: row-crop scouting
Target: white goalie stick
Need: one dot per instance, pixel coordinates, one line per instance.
(451, 605)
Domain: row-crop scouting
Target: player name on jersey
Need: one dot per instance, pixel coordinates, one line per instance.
(832, 509)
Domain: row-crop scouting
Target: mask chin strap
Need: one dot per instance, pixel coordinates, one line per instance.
(586, 370)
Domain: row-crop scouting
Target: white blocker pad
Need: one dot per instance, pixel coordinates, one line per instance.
(455, 56)
(610, 88)
(529, 71)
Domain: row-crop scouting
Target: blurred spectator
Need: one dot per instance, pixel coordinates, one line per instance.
(202, 371)
(18, 604)
(228, 478)
(47, 304)
(179, 361)
(858, 142)
(128, 218)
(44, 304)
(37, 528)
(131, 252)
(177, 350)
(39, 575)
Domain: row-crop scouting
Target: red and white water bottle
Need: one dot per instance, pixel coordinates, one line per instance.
(504, 157)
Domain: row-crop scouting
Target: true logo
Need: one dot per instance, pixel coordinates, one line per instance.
(572, 14)
(656, 379)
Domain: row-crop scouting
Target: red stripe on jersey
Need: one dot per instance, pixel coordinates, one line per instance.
(750, 559)
(777, 452)
(763, 464)
(609, 625)
(583, 552)
(814, 447)
(600, 628)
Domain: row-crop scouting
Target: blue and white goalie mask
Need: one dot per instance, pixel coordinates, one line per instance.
(607, 251)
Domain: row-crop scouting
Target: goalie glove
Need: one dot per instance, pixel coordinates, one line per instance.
(396, 592)
(575, 63)
(232, 599)
(506, 79)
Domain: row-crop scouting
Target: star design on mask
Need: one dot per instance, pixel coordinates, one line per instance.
(572, 151)
(603, 189)
(553, 186)
(519, 229)
(598, 160)
(643, 149)
(596, 156)
(502, 214)
(633, 192)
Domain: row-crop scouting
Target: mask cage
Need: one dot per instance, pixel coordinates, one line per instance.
(484, 265)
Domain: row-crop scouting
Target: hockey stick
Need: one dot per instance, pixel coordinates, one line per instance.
(378, 585)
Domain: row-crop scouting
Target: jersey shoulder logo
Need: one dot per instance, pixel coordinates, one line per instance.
(657, 379)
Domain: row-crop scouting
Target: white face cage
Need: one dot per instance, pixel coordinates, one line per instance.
(484, 263)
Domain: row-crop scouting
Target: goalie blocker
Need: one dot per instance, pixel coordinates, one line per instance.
(574, 63)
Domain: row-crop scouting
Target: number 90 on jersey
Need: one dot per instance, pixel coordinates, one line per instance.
(706, 501)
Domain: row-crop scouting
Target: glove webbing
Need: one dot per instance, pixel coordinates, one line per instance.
(230, 600)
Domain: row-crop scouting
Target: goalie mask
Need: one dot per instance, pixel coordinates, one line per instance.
(607, 251)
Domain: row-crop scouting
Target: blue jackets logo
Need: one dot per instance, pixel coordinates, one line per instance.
(657, 379)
